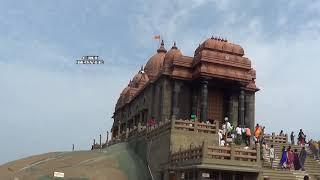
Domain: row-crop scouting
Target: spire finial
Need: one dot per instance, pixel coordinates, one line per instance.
(174, 45)
(141, 69)
(161, 48)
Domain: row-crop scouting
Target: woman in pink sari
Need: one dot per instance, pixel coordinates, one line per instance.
(290, 159)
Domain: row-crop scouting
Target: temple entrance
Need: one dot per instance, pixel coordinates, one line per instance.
(215, 105)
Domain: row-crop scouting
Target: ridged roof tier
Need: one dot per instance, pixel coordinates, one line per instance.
(222, 45)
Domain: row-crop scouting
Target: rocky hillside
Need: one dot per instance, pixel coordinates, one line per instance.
(116, 162)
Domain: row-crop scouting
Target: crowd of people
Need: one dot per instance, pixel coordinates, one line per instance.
(240, 135)
(301, 138)
(291, 159)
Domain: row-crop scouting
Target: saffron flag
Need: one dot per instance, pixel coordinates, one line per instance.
(157, 37)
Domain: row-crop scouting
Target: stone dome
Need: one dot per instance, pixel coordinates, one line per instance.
(140, 79)
(121, 100)
(172, 54)
(155, 63)
(221, 45)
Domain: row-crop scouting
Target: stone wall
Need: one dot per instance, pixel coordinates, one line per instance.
(158, 151)
(184, 102)
(183, 139)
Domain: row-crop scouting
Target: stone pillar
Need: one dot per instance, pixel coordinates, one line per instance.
(246, 110)
(234, 109)
(151, 102)
(175, 107)
(204, 101)
(241, 108)
(251, 108)
(194, 101)
(167, 99)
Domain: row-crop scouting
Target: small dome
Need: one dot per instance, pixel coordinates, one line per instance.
(172, 54)
(121, 99)
(221, 45)
(140, 79)
(154, 65)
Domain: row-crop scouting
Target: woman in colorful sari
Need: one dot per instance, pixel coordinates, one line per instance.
(283, 160)
(290, 158)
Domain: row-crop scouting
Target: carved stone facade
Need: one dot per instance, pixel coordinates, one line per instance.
(217, 82)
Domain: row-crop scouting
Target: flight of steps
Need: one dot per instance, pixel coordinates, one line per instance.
(312, 166)
(278, 174)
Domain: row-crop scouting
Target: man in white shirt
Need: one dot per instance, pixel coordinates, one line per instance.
(239, 131)
(220, 136)
(239, 134)
(271, 155)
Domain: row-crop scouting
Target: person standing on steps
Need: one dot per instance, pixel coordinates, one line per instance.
(302, 157)
(290, 158)
(271, 155)
(301, 138)
(283, 160)
(248, 135)
(315, 150)
(296, 162)
(292, 138)
(281, 133)
(257, 132)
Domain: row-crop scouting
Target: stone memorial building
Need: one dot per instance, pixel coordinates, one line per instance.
(217, 82)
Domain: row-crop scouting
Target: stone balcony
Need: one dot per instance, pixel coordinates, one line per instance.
(215, 157)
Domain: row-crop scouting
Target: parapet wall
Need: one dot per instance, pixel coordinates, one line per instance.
(155, 144)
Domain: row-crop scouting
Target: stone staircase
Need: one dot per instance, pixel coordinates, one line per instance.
(312, 166)
(278, 174)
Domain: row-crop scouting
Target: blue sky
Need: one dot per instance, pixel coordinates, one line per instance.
(47, 102)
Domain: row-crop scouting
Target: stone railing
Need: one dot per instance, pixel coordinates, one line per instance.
(142, 130)
(114, 141)
(185, 125)
(123, 135)
(213, 154)
(189, 154)
(158, 128)
(232, 153)
(273, 138)
(133, 131)
(196, 126)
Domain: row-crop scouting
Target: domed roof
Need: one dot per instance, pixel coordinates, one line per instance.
(121, 99)
(172, 54)
(221, 45)
(155, 63)
(140, 79)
